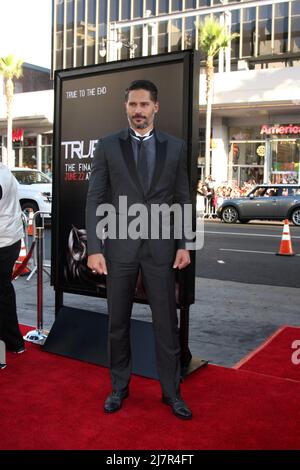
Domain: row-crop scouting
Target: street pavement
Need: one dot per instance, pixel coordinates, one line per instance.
(246, 253)
(242, 297)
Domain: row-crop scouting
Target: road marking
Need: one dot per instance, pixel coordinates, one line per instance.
(246, 234)
(249, 251)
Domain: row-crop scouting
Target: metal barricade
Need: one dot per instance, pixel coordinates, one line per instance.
(38, 336)
(45, 263)
(207, 207)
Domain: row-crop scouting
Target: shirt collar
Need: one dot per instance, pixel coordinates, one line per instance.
(148, 134)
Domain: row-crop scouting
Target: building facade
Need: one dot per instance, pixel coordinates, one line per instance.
(32, 119)
(256, 118)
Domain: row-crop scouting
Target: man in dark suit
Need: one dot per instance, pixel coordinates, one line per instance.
(149, 168)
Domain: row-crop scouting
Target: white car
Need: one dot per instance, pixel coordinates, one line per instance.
(35, 190)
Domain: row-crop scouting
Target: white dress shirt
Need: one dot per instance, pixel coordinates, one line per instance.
(11, 226)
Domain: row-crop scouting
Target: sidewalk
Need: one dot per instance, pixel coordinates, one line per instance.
(227, 321)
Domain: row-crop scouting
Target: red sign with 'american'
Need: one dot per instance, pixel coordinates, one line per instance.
(280, 129)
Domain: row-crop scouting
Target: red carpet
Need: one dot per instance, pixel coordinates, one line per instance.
(274, 357)
(51, 402)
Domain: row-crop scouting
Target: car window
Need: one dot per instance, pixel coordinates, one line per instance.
(31, 177)
(271, 192)
(286, 192)
(289, 191)
(259, 192)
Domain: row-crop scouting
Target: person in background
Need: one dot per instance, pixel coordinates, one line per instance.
(11, 233)
(48, 170)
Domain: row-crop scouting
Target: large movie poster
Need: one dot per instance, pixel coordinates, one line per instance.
(90, 105)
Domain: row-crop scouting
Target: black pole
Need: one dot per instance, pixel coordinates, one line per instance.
(40, 257)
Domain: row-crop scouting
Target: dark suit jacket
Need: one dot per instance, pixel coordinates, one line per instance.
(114, 174)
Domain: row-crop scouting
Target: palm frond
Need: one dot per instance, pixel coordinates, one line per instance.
(213, 36)
(11, 67)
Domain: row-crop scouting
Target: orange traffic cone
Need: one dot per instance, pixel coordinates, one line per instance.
(286, 243)
(22, 256)
(30, 223)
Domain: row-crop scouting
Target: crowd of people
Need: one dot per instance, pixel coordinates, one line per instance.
(213, 194)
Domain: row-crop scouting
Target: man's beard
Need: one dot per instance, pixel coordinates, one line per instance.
(142, 125)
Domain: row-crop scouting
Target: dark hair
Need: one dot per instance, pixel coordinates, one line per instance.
(143, 85)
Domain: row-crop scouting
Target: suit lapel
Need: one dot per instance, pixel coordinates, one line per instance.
(127, 152)
(161, 155)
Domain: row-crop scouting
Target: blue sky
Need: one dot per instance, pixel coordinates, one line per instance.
(25, 30)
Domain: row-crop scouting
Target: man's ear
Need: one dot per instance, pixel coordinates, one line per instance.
(156, 107)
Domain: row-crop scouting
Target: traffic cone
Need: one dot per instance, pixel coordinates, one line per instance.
(286, 243)
(30, 223)
(22, 256)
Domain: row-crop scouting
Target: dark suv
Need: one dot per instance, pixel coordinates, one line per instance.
(264, 202)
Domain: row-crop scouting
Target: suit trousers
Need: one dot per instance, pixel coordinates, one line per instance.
(159, 283)
(9, 327)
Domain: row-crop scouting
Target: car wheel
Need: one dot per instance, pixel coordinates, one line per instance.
(230, 215)
(296, 216)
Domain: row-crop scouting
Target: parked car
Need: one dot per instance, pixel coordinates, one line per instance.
(264, 202)
(35, 190)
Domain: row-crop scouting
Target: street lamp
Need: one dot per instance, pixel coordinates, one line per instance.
(119, 43)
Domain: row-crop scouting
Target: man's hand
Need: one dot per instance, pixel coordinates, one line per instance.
(182, 259)
(97, 263)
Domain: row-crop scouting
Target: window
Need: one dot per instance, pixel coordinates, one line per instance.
(114, 10)
(30, 177)
(295, 27)
(70, 33)
(137, 39)
(235, 28)
(163, 6)
(190, 32)
(102, 21)
(248, 31)
(91, 32)
(126, 9)
(125, 51)
(59, 35)
(190, 4)
(46, 150)
(175, 31)
(138, 9)
(204, 3)
(285, 156)
(281, 28)
(150, 5)
(265, 30)
(80, 32)
(162, 37)
(176, 5)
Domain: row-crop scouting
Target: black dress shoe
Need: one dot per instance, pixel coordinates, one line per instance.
(114, 401)
(179, 407)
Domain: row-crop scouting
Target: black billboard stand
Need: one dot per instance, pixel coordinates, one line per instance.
(82, 97)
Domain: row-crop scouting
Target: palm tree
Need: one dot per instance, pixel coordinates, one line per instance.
(212, 38)
(10, 68)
